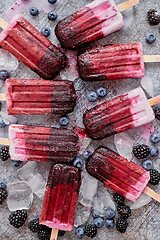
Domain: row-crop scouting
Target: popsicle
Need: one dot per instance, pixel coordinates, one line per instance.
(61, 197)
(119, 114)
(36, 96)
(126, 178)
(27, 44)
(114, 62)
(92, 22)
(34, 143)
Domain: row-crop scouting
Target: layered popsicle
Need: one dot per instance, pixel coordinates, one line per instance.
(33, 143)
(126, 178)
(94, 21)
(119, 114)
(112, 62)
(61, 197)
(35, 96)
(27, 44)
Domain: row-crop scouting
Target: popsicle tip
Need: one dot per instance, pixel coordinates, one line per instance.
(54, 234)
(125, 5)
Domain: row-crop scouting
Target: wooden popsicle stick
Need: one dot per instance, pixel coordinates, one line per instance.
(3, 23)
(125, 5)
(154, 100)
(151, 58)
(54, 234)
(2, 97)
(152, 193)
(5, 141)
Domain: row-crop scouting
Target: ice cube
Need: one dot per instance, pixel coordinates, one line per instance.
(104, 198)
(8, 119)
(147, 84)
(124, 145)
(7, 61)
(82, 215)
(20, 196)
(29, 172)
(141, 201)
(98, 207)
(88, 189)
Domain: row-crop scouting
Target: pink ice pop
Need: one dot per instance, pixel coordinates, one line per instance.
(61, 197)
(33, 143)
(119, 114)
(126, 178)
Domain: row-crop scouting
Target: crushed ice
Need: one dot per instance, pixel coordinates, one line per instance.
(147, 84)
(8, 61)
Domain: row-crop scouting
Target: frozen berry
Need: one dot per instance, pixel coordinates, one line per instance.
(98, 222)
(124, 211)
(110, 223)
(90, 230)
(153, 17)
(86, 154)
(64, 120)
(154, 177)
(4, 75)
(52, 1)
(52, 15)
(155, 137)
(157, 113)
(33, 11)
(147, 164)
(34, 225)
(18, 218)
(121, 224)
(141, 151)
(92, 96)
(45, 31)
(118, 199)
(154, 151)
(4, 153)
(3, 194)
(80, 232)
(101, 92)
(78, 162)
(110, 213)
(150, 38)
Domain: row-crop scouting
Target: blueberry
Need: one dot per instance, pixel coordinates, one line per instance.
(86, 154)
(147, 164)
(154, 151)
(98, 222)
(110, 223)
(45, 31)
(78, 162)
(101, 92)
(2, 123)
(155, 137)
(16, 163)
(52, 15)
(150, 38)
(110, 213)
(52, 1)
(2, 184)
(92, 96)
(61, 233)
(33, 11)
(79, 232)
(64, 120)
(4, 75)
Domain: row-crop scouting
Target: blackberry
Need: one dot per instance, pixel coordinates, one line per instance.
(44, 233)
(121, 224)
(157, 113)
(118, 199)
(154, 177)
(18, 218)
(34, 225)
(90, 230)
(153, 17)
(3, 194)
(124, 211)
(4, 153)
(141, 151)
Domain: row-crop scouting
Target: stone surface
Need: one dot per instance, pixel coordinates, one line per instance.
(144, 222)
